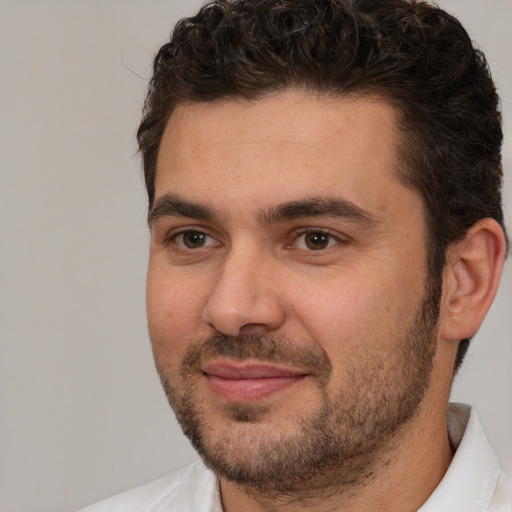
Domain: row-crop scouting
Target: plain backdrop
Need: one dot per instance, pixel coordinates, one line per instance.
(82, 415)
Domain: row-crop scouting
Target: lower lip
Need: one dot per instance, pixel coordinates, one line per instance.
(249, 390)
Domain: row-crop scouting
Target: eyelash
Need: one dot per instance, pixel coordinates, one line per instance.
(332, 239)
(329, 238)
(173, 237)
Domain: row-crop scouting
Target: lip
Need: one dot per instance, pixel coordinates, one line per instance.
(248, 382)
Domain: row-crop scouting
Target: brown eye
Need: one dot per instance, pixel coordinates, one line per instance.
(193, 240)
(317, 240)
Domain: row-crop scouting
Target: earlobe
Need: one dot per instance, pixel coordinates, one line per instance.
(471, 278)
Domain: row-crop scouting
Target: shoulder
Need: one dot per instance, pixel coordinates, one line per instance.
(175, 492)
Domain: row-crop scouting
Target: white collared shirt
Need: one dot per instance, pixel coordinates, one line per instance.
(474, 481)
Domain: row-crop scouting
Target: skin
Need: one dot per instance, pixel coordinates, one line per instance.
(351, 303)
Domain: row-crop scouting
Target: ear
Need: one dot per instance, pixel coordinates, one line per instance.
(471, 278)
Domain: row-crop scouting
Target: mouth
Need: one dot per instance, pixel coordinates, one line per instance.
(236, 382)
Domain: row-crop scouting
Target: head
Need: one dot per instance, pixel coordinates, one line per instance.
(402, 82)
(414, 55)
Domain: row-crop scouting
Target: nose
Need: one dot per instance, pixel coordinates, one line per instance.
(244, 297)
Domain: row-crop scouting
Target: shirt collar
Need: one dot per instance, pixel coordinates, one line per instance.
(470, 482)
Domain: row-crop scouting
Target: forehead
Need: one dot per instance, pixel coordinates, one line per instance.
(282, 147)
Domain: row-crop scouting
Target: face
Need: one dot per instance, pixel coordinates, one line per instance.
(288, 312)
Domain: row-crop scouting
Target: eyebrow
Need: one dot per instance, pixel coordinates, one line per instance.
(173, 206)
(334, 207)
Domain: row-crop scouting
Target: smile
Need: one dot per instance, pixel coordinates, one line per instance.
(237, 383)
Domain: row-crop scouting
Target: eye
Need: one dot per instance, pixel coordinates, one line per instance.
(193, 240)
(315, 240)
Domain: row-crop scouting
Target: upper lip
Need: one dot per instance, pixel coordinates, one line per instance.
(248, 370)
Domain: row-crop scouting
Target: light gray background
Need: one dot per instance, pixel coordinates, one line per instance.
(82, 415)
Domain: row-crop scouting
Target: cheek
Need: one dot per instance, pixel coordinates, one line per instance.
(173, 313)
(349, 315)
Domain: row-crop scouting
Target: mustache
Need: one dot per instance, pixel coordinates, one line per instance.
(259, 347)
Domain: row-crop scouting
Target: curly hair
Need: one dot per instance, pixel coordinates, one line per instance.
(411, 53)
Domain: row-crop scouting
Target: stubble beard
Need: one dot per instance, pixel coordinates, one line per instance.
(336, 448)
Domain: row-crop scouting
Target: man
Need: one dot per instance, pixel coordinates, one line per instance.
(327, 235)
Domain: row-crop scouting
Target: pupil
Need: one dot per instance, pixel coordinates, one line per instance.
(317, 241)
(194, 239)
